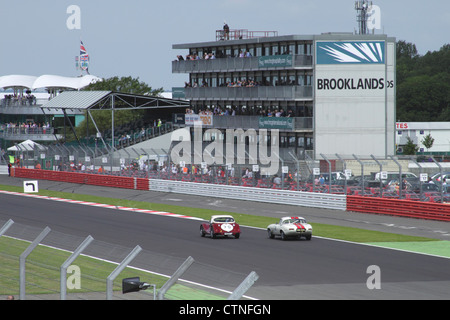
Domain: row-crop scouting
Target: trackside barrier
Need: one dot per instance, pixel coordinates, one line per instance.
(83, 178)
(395, 207)
(307, 199)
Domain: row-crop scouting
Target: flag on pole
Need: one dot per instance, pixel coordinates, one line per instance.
(82, 49)
(83, 58)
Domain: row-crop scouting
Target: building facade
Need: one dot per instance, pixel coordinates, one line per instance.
(417, 132)
(327, 94)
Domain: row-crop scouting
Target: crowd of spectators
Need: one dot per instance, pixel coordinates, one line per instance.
(247, 83)
(233, 110)
(25, 127)
(210, 55)
(14, 99)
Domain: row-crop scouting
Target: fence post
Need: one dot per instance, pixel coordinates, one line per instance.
(400, 178)
(420, 173)
(24, 256)
(381, 170)
(442, 180)
(362, 173)
(329, 170)
(182, 269)
(344, 167)
(244, 286)
(118, 270)
(68, 262)
(6, 226)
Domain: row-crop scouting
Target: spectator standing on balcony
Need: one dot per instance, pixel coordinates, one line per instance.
(226, 31)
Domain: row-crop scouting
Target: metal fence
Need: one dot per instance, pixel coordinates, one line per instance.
(44, 264)
(412, 178)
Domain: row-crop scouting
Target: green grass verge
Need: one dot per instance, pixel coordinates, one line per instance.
(42, 270)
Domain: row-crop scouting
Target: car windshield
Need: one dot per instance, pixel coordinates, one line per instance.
(223, 219)
(294, 220)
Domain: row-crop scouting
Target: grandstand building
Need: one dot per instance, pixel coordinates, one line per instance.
(21, 99)
(329, 93)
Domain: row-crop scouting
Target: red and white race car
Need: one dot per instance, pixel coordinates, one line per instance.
(290, 227)
(220, 225)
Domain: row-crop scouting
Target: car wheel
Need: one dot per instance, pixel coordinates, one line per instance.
(270, 234)
(283, 236)
(308, 237)
(202, 231)
(237, 235)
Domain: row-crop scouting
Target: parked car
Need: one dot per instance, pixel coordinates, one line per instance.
(426, 187)
(392, 175)
(220, 225)
(438, 178)
(290, 227)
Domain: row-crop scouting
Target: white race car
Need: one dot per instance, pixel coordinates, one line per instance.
(290, 227)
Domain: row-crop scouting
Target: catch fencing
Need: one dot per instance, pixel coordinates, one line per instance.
(366, 204)
(42, 264)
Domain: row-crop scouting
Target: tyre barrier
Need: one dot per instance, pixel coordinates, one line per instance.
(393, 207)
(83, 178)
(396, 207)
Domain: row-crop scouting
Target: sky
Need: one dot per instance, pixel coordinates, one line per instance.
(135, 37)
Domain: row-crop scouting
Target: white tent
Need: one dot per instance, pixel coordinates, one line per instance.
(27, 145)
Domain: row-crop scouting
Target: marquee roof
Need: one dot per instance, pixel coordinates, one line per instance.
(14, 80)
(46, 81)
(82, 100)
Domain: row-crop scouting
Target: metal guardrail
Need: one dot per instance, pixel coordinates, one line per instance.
(232, 64)
(307, 199)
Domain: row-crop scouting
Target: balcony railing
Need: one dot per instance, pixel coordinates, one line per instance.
(252, 122)
(239, 34)
(282, 93)
(241, 64)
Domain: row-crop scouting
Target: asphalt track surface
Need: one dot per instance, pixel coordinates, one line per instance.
(297, 270)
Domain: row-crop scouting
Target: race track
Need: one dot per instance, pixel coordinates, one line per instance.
(316, 269)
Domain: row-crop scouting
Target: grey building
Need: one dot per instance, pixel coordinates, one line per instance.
(329, 93)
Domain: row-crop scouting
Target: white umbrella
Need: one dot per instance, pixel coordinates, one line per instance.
(27, 145)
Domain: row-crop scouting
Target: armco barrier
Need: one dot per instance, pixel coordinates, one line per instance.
(306, 199)
(395, 207)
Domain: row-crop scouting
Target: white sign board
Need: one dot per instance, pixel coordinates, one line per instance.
(30, 186)
(424, 177)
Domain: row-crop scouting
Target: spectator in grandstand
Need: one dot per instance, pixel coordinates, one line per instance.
(226, 31)
(276, 180)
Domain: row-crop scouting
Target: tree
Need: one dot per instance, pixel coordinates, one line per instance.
(124, 85)
(423, 84)
(428, 141)
(410, 148)
(406, 50)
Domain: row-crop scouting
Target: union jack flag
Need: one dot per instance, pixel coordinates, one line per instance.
(82, 49)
